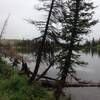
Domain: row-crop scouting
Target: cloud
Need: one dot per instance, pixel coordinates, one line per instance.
(20, 9)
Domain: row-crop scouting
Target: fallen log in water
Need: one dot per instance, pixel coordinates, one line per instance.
(51, 82)
(44, 77)
(48, 78)
(72, 85)
(82, 85)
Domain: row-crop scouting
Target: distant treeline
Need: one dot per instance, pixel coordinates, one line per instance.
(92, 47)
(24, 46)
(92, 44)
(31, 46)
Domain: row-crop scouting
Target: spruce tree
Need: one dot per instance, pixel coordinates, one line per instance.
(77, 19)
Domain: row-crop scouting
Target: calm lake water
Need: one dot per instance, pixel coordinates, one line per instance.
(89, 72)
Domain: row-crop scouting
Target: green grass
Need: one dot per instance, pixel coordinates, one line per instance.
(15, 87)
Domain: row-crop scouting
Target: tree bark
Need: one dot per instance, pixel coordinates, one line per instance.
(38, 61)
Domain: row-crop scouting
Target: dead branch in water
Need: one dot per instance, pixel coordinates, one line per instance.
(51, 82)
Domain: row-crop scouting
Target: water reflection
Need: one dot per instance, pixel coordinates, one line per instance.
(92, 51)
(91, 72)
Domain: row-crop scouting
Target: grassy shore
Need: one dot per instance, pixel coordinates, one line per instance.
(15, 87)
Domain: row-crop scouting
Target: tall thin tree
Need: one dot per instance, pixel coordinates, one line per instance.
(42, 45)
(77, 18)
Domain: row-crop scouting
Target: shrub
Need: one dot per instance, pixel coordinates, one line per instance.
(15, 87)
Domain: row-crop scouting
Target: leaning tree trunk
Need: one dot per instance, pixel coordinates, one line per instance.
(41, 46)
(44, 73)
(2, 31)
(3, 28)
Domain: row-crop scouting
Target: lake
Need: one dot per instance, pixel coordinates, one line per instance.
(89, 72)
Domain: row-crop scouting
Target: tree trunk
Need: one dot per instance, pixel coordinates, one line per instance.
(44, 73)
(41, 46)
(68, 57)
(5, 23)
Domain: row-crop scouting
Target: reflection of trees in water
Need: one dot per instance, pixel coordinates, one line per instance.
(92, 51)
(98, 52)
(87, 51)
(95, 51)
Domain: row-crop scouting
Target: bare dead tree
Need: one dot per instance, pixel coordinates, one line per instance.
(4, 26)
(3, 29)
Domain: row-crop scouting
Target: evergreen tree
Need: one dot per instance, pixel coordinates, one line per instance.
(54, 34)
(77, 19)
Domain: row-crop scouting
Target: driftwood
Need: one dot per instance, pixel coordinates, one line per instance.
(48, 78)
(51, 82)
(82, 85)
(45, 77)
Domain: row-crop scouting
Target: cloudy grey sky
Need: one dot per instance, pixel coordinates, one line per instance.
(18, 28)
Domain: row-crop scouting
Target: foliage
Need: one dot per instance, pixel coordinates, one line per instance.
(75, 18)
(42, 45)
(16, 87)
(5, 70)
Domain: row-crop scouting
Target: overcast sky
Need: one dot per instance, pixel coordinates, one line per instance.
(18, 28)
